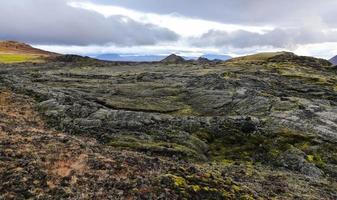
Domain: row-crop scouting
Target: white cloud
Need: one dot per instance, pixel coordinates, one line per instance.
(276, 13)
(182, 25)
(321, 50)
(289, 38)
(159, 49)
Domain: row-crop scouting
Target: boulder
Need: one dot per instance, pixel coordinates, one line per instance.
(294, 159)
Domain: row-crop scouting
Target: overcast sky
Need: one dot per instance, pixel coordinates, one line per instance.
(189, 27)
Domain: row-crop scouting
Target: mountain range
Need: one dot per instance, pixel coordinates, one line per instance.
(151, 58)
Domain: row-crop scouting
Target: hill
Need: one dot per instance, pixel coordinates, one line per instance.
(13, 52)
(257, 127)
(281, 58)
(173, 59)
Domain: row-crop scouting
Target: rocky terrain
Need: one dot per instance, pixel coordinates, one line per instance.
(256, 127)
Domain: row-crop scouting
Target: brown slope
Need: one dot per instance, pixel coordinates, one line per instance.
(13, 47)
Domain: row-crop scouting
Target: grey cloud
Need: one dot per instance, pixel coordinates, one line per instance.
(251, 12)
(279, 38)
(54, 22)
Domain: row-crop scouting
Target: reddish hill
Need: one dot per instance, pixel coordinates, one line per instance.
(14, 47)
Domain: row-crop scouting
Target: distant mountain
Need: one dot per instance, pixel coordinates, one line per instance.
(333, 60)
(152, 58)
(134, 58)
(13, 47)
(108, 56)
(173, 59)
(203, 60)
(216, 57)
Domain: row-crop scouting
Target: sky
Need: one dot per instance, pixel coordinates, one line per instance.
(188, 28)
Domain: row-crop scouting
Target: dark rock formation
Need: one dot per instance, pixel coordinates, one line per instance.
(72, 58)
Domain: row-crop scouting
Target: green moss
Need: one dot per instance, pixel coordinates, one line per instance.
(247, 197)
(307, 76)
(284, 106)
(226, 162)
(206, 185)
(274, 152)
(258, 147)
(178, 181)
(229, 75)
(316, 159)
(17, 58)
(310, 158)
(236, 188)
(197, 188)
(186, 111)
(167, 104)
(202, 135)
(155, 147)
(294, 137)
(304, 146)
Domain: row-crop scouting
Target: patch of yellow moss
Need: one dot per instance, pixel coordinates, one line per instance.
(18, 58)
(178, 181)
(196, 188)
(310, 158)
(186, 111)
(226, 162)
